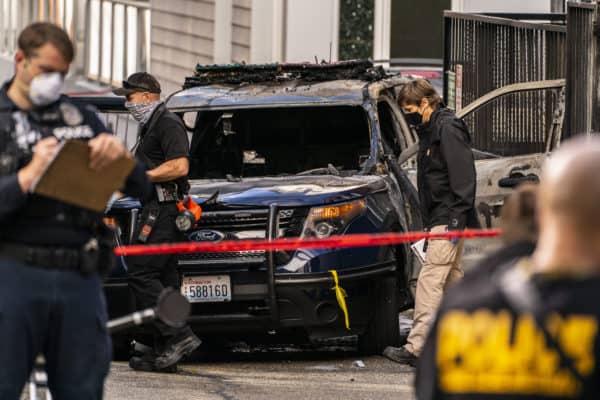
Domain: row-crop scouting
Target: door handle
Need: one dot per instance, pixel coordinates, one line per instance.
(517, 178)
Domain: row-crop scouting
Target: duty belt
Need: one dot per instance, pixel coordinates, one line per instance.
(61, 258)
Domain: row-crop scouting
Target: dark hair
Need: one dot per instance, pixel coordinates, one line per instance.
(38, 34)
(417, 90)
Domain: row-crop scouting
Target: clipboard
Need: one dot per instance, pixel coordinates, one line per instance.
(69, 178)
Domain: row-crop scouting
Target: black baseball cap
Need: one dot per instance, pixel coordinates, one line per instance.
(138, 82)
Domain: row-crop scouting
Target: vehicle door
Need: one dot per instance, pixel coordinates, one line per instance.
(394, 142)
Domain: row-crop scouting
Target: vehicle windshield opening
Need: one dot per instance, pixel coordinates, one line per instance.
(279, 141)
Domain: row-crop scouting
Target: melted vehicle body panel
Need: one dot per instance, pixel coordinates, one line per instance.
(268, 158)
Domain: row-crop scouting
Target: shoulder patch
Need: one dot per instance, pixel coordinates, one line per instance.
(71, 114)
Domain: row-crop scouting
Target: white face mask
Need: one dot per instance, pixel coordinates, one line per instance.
(46, 88)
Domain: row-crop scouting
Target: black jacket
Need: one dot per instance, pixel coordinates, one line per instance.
(446, 172)
(480, 347)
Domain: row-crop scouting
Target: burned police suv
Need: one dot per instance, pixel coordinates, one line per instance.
(291, 151)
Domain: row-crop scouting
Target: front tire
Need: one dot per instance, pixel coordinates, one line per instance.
(383, 329)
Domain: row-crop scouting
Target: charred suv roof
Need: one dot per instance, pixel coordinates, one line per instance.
(240, 85)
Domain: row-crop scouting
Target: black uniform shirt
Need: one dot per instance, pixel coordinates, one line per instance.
(38, 220)
(164, 138)
(479, 347)
(446, 172)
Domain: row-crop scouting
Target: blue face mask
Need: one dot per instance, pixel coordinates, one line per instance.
(142, 112)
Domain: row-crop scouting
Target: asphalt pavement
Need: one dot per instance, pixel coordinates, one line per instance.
(242, 371)
(286, 375)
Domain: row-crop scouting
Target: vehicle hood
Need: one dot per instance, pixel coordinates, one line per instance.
(288, 190)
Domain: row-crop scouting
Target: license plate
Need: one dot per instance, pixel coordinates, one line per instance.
(206, 289)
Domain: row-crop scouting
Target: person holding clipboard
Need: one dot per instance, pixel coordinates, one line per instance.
(52, 252)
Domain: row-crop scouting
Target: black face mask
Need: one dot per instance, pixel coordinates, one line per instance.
(414, 118)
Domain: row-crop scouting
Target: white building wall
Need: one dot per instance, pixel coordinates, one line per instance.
(182, 36)
(294, 30)
(241, 30)
(383, 26)
(266, 35)
(312, 30)
(232, 31)
(222, 31)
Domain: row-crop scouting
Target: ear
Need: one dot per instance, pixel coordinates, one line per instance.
(19, 56)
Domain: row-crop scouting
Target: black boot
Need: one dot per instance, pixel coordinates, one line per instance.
(176, 348)
(400, 355)
(147, 362)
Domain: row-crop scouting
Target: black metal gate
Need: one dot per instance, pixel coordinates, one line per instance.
(582, 73)
(483, 53)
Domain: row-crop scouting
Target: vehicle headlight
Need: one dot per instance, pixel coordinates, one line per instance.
(323, 222)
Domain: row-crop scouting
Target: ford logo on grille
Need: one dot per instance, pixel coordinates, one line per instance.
(206, 235)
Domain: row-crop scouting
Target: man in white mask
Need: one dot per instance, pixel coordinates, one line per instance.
(51, 253)
(163, 146)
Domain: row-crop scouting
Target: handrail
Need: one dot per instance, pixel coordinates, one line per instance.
(504, 21)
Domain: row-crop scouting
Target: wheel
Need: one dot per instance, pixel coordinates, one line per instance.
(383, 329)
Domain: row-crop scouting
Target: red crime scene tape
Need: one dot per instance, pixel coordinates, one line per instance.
(352, 240)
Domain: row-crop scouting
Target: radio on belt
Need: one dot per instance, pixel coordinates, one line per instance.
(148, 224)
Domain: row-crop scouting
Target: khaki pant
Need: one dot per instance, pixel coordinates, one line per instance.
(441, 268)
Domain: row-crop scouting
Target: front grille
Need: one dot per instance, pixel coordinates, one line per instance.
(243, 220)
(236, 257)
(238, 225)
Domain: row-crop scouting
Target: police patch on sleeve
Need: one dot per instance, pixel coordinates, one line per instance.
(70, 114)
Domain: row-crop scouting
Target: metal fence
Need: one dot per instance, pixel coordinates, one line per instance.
(112, 37)
(122, 125)
(582, 73)
(483, 53)
(117, 39)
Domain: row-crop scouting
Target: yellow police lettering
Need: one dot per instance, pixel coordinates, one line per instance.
(493, 353)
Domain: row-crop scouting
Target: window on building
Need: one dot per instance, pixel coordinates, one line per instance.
(356, 29)
(417, 30)
(118, 40)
